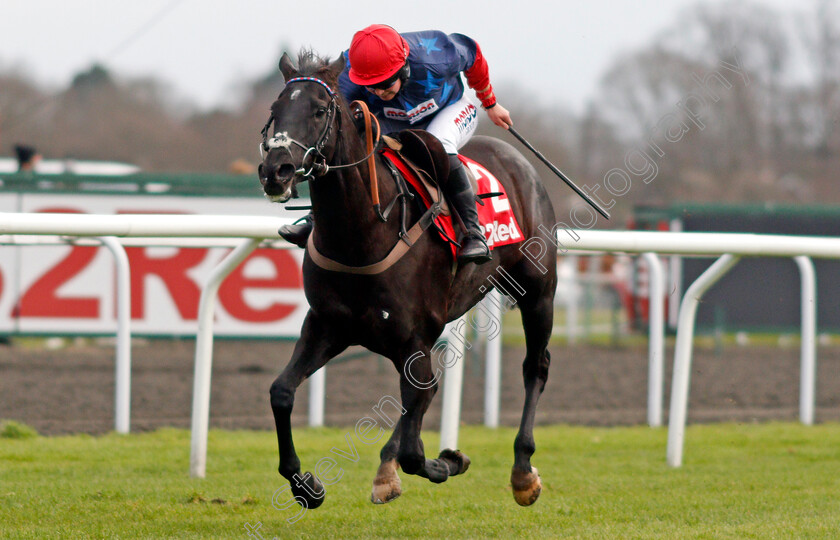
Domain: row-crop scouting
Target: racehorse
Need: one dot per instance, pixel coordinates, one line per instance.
(400, 312)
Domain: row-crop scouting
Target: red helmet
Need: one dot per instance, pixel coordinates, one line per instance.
(376, 53)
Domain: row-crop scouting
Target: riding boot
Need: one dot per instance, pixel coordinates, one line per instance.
(298, 232)
(460, 194)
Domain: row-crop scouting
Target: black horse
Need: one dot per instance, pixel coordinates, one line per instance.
(398, 313)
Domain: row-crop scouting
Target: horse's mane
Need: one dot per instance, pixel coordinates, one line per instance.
(310, 64)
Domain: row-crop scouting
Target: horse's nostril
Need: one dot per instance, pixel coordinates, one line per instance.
(284, 172)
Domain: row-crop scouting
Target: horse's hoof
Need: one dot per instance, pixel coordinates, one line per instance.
(310, 489)
(457, 461)
(385, 493)
(387, 485)
(526, 486)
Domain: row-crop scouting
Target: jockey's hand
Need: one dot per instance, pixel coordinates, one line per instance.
(500, 116)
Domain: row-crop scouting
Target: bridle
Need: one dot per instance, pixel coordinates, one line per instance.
(313, 163)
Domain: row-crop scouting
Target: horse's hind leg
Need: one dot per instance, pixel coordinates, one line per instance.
(387, 485)
(315, 348)
(537, 309)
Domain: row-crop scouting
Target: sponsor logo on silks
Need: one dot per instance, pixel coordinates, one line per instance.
(424, 109)
(501, 232)
(466, 117)
(496, 216)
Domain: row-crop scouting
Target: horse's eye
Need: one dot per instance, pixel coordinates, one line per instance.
(320, 112)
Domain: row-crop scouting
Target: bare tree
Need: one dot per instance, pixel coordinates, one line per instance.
(24, 109)
(738, 59)
(821, 35)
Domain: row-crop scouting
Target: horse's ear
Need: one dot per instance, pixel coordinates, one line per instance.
(287, 68)
(337, 65)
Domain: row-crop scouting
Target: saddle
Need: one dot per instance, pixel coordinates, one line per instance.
(417, 159)
(421, 161)
(425, 156)
(420, 151)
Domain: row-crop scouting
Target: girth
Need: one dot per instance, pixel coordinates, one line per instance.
(402, 246)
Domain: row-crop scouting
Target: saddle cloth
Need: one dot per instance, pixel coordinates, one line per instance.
(495, 216)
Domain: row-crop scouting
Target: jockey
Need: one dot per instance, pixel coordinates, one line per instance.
(413, 80)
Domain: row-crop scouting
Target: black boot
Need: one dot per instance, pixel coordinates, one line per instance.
(460, 194)
(298, 232)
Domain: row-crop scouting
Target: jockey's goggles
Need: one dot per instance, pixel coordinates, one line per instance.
(387, 83)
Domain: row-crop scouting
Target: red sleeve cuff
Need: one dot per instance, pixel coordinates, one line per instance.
(478, 78)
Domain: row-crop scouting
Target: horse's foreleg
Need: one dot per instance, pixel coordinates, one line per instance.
(411, 454)
(537, 322)
(314, 349)
(417, 388)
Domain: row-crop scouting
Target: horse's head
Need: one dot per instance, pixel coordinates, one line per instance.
(301, 133)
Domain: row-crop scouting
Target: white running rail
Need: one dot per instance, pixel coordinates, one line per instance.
(729, 247)
(214, 228)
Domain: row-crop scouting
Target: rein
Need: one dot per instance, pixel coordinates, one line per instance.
(371, 146)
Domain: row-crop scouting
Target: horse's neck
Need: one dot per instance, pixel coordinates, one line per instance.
(341, 197)
(346, 222)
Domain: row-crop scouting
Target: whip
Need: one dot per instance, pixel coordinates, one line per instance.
(559, 173)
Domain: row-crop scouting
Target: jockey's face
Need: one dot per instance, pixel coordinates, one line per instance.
(386, 94)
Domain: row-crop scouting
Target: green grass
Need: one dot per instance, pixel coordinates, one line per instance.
(9, 429)
(738, 481)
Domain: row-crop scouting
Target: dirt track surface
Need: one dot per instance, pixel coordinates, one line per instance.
(72, 389)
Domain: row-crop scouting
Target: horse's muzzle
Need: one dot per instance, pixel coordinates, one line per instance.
(277, 181)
